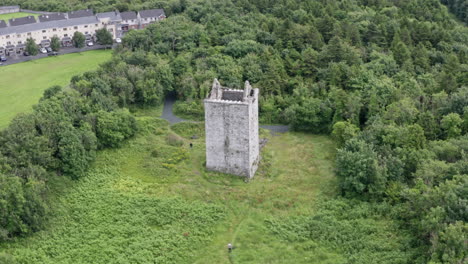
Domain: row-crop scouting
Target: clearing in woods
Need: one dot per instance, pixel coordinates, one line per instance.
(152, 201)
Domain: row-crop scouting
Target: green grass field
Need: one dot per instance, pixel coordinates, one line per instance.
(22, 84)
(152, 201)
(6, 17)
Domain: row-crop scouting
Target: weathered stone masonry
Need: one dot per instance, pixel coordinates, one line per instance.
(231, 125)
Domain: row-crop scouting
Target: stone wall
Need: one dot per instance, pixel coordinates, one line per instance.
(9, 9)
(231, 126)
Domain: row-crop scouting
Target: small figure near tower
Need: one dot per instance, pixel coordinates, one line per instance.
(231, 126)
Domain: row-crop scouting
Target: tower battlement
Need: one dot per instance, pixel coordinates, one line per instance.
(231, 125)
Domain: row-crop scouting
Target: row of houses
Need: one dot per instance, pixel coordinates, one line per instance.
(15, 32)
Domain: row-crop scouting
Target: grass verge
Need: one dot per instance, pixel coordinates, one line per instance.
(6, 17)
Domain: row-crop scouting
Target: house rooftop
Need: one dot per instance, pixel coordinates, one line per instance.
(128, 15)
(80, 13)
(113, 16)
(52, 17)
(22, 21)
(151, 13)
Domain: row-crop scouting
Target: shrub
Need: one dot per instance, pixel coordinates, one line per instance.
(112, 128)
(174, 140)
(192, 110)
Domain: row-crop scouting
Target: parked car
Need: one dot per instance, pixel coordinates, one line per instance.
(26, 53)
(53, 53)
(3, 58)
(49, 49)
(90, 44)
(43, 50)
(118, 40)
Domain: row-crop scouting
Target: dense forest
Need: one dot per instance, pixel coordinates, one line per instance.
(387, 79)
(459, 8)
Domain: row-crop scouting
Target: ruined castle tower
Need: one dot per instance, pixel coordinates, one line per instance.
(231, 125)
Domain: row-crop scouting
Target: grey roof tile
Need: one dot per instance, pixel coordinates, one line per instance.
(22, 21)
(52, 17)
(113, 16)
(151, 13)
(128, 15)
(80, 13)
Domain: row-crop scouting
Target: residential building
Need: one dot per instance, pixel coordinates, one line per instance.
(150, 16)
(15, 32)
(112, 21)
(52, 17)
(129, 21)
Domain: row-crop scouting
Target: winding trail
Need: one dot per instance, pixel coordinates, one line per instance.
(168, 115)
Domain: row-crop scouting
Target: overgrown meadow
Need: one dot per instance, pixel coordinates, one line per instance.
(152, 201)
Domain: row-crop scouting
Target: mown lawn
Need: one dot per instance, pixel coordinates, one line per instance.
(22, 84)
(152, 201)
(16, 15)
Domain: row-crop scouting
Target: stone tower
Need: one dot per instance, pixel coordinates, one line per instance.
(231, 126)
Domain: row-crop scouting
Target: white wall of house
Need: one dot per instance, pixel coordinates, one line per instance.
(114, 27)
(39, 35)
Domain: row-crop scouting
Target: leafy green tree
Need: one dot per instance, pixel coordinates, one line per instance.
(240, 48)
(7, 259)
(401, 112)
(22, 144)
(401, 53)
(465, 120)
(343, 131)
(112, 128)
(72, 154)
(310, 114)
(55, 43)
(450, 246)
(51, 91)
(429, 123)
(21, 205)
(421, 59)
(104, 37)
(31, 47)
(451, 124)
(310, 62)
(78, 39)
(358, 170)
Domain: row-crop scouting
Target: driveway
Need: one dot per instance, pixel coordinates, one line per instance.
(17, 58)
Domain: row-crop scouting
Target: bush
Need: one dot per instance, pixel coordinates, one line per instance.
(192, 110)
(112, 128)
(21, 205)
(358, 169)
(174, 140)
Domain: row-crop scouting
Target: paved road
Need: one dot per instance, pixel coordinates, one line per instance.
(20, 58)
(169, 116)
(167, 111)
